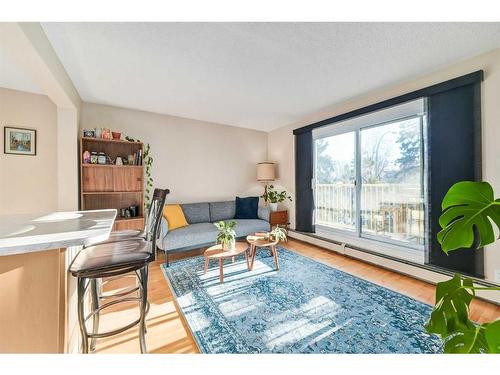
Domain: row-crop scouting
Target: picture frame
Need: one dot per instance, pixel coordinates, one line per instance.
(19, 141)
(88, 133)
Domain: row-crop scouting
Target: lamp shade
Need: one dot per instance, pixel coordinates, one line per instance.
(265, 171)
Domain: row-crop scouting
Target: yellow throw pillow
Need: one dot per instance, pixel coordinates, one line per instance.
(175, 216)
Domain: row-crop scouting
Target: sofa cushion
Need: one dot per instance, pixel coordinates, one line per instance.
(244, 227)
(192, 235)
(196, 212)
(222, 211)
(174, 216)
(264, 213)
(246, 208)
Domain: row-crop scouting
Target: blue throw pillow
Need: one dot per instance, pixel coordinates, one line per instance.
(246, 208)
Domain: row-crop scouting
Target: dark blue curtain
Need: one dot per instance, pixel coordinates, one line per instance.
(454, 144)
(304, 200)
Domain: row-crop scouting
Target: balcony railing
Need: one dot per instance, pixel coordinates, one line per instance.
(394, 211)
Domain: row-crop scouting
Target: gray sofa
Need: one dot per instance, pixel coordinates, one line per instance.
(201, 231)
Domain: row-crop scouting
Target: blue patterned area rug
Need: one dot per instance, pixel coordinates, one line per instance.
(305, 307)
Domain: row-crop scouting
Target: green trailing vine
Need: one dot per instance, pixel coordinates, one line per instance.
(147, 161)
(148, 180)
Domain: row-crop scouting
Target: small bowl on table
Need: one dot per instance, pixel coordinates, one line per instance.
(116, 135)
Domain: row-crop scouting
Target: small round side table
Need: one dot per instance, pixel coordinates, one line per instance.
(216, 252)
(256, 242)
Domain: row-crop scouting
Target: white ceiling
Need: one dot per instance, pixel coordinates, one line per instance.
(255, 75)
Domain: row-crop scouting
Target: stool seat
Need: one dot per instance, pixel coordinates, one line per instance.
(108, 257)
(123, 235)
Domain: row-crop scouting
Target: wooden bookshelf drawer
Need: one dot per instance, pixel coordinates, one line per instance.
(127, 179)
(97, 179)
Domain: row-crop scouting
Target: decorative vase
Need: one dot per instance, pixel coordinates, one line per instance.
(86, 157)
(229, 246)
(274, 206)
(105, 133)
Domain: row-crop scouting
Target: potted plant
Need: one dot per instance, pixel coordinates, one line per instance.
(273, 197)
(227, 234)
(278, 234)
(469, 210)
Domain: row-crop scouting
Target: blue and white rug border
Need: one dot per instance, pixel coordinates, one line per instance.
(178, 307)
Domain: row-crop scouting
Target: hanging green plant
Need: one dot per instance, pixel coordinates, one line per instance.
(148, 180)
(147, 161)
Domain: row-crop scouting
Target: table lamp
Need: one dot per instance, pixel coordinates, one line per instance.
(265, 173)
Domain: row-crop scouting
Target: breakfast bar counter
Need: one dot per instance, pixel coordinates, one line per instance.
(37, 295)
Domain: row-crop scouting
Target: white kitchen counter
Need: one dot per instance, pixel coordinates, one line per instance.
(21, 234)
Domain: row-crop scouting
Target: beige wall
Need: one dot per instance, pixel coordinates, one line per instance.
(67, 159)
(197, 161)
(29, 183)
(281, 141)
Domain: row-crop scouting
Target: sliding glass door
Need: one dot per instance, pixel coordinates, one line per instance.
(370, 180)
(335, 190)
(392, 182)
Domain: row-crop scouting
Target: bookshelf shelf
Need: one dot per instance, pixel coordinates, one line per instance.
(130, 218)
(115, 141)
(112, 192)
(110, 166)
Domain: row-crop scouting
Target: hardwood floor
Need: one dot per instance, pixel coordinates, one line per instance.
(169, 333)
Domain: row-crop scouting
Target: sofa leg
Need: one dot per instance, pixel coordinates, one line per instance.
(166, 257)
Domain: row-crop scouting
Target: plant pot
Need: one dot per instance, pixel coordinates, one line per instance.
(229, 246)
(273, 206)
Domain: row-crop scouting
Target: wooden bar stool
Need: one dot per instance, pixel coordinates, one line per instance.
(117, 258)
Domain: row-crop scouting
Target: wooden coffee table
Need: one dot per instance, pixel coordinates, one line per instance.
(256, 243)
(216, 252)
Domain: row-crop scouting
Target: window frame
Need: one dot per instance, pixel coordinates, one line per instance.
(357, 233)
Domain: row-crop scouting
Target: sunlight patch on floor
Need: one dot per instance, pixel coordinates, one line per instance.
(312, 323)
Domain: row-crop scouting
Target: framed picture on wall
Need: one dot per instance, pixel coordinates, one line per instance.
(19, 141)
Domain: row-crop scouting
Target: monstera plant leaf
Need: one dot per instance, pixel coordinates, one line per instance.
(451, 312)
(483, 338)
(492, 335)
(468, 207)
(450, 320)
(471, 340)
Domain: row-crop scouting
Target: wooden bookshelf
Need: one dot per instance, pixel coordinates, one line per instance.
(112, 186)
